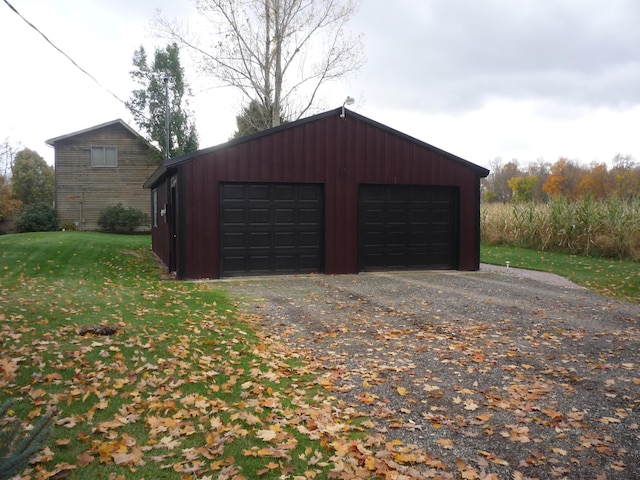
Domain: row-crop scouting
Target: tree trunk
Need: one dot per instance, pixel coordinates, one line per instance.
(277, 53)
(266, 99)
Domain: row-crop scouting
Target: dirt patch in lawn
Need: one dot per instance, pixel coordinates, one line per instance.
(494, 374)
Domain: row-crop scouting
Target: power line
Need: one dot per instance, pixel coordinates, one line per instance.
(133, 110)
(67, 56)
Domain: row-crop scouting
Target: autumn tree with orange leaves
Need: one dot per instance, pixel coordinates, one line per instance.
(596, 182)
(563, 179)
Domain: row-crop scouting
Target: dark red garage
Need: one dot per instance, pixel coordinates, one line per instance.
(327, 194)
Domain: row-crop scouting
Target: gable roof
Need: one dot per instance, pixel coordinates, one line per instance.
(53, 141)
(173, 162)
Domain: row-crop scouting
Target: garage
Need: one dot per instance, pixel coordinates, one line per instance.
(404, 227)
(332, 193)
(270, 228)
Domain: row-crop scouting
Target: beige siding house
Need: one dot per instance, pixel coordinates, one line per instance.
(101, 166)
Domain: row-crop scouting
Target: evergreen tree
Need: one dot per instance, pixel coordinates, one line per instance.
(148, 103)
(254, 118)
(17, 448)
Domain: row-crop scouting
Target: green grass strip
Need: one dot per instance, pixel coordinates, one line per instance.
(613, 278)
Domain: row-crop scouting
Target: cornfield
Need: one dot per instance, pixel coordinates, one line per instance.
(608, 228)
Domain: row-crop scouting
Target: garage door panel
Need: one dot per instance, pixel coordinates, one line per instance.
(258, 239)
(309, 216)
(373, 216)
(285, 192)
(419, 217)
(234, 216)
(419, 239)
(310, 193)
(309, 240)
(258, 216)
(258, 264)
(396, 216)
(233, 240)
(307, 262)
(233, 263)
(255, 192)
(284, 216)
(232, 192)
(402, 227)
(270, 229)
(286, 263)
(396, 239)
(284, 239)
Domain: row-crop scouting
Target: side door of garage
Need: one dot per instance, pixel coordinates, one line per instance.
(271, 228)
(407, 227)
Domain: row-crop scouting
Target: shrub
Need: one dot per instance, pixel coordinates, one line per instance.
(17, 446)
(69, 226)
(117, 218)
(38, 217)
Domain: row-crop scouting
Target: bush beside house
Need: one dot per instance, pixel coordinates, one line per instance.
(117, 218)
(38, 217)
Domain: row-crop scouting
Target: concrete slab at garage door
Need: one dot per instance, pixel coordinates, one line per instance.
(407, 227)
(270, 228)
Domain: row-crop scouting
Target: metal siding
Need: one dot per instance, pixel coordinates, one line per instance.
(342, 257)
(339, 153)
(470, 224)
(160, 234)
(285, 161)
(257, 166)
(308, 151)
(202, 217)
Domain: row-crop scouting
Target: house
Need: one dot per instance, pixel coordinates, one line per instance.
(333, 193)
(101, 166)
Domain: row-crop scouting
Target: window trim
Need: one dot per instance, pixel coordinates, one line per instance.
(104, 150)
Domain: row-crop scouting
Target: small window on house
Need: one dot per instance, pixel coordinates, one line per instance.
(104, 156)
(154, 195)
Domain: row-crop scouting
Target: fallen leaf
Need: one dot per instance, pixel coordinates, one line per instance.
(84, 459)
(266, 435)
(445, 443)
(470, 405)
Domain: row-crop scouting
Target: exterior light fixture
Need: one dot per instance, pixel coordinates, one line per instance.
(348, 101)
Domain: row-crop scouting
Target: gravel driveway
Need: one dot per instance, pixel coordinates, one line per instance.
(504, 372)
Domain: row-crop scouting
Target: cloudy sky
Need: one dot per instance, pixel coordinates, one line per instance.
(509, 79)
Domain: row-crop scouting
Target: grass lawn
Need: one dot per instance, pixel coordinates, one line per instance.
(614, 278)
(187, 388)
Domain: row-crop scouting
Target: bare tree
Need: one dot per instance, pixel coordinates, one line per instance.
(276, 52)
(7, 154)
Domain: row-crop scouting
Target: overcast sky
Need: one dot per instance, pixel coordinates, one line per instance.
(514, 79)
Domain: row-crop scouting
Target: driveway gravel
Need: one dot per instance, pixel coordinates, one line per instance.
(500, 373)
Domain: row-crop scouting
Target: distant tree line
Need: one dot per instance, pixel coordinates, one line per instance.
(568, 179)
